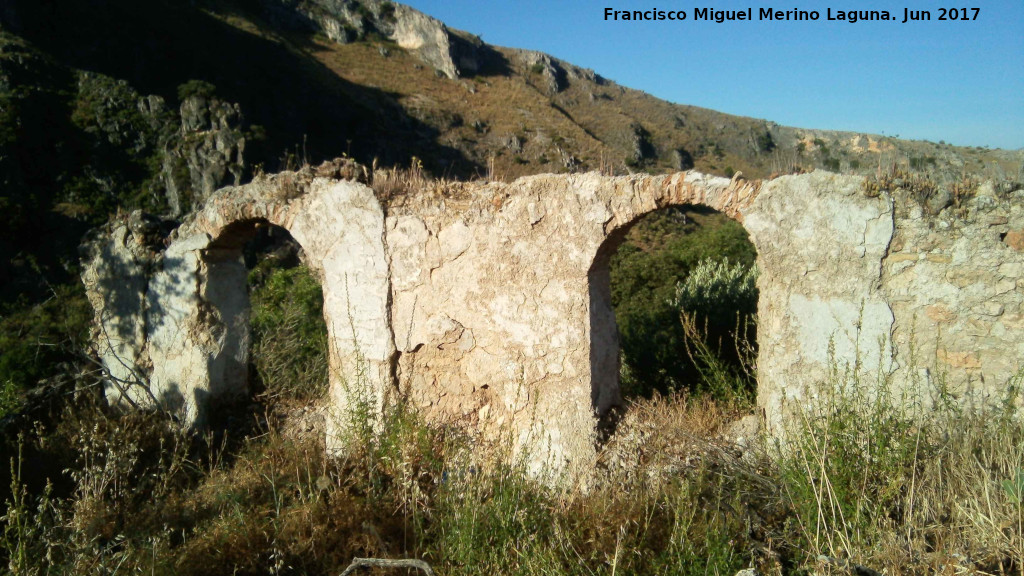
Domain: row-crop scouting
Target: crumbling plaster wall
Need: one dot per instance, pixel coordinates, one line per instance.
(502, 310)
(820, 244)
(183, 328)
(955, 283)
(488, 303)
(932, 303)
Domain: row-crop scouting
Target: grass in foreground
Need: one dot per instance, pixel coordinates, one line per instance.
(676, 491)
(900, 491)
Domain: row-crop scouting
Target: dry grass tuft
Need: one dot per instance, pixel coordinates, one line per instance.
(664, 436)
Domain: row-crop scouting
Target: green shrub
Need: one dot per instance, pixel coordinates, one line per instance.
(10, 398)
(198, 88)
(718, 290)
(764, 142)
(717, 305)
(659, 253)
(289, 336)
(387, 12)
(362, 10)
(35, 341)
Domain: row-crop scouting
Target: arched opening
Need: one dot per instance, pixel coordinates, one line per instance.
(673, 308)
(270, 307)
(288, 353)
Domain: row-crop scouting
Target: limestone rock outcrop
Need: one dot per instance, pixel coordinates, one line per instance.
(550, 69)
(206, 154)
(450, 52)
(199, 149)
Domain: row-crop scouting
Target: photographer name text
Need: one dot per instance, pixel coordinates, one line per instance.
(902, 16)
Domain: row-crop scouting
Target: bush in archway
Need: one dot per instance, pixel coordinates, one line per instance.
(289, 336)
(717, 305)
(657, 255)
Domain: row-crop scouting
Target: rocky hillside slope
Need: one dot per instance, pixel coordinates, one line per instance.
(374, 78)
(519, 111)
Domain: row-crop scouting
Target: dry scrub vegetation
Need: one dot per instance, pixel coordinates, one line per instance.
(862, 483)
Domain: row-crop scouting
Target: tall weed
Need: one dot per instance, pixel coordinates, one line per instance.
(875, 476)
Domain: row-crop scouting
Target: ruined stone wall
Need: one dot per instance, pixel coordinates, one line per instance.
(931, 302)
(488, 304)
(955, 283)
(820, 243)
(502, 307)
(179, 327)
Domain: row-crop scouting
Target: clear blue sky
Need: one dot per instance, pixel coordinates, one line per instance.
(962, 82)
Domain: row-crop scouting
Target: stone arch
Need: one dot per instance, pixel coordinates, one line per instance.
(340, 227)
(179, 335)
(226, 291)
(496, 299)
(199, 341)
(496, 289)
(647, 195)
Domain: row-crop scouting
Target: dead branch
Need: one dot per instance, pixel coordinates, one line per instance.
(388, 563)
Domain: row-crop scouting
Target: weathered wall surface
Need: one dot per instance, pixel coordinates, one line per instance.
(955, 283)
(820, 245)
(932, 302)
(489, 304)
(181, 322)
(502, 307)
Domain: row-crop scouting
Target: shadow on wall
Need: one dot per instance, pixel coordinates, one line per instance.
(605, 391)
(197, 311)
(226, 285)
(269, 306)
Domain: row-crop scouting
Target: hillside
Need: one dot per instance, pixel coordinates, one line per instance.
(521, 112)
(331, 77)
